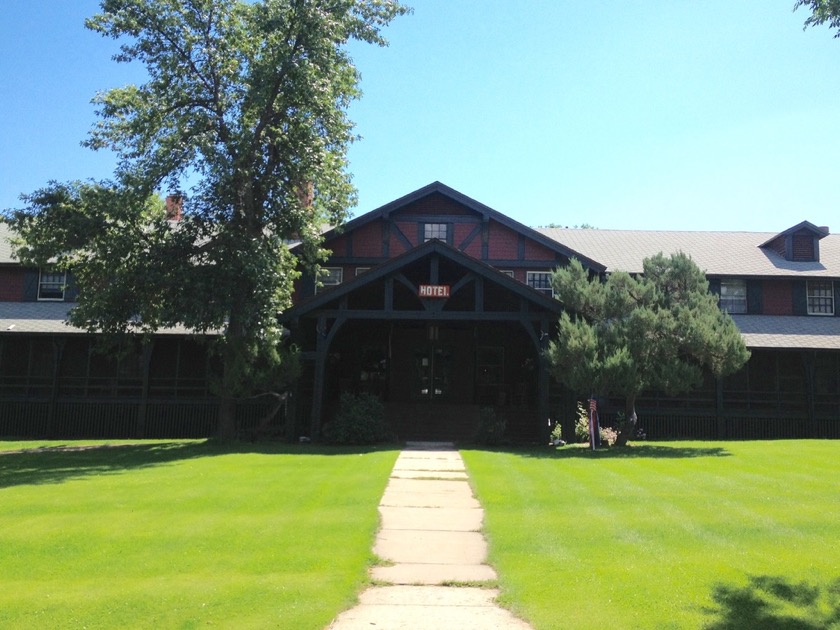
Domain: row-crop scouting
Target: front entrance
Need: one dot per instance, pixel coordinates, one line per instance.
(435, 378)
(433, 372)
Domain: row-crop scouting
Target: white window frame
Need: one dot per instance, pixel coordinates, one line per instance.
(50, 279)
(434, 230)
(329, 277)
(361, 270)
(531, 281)
(820, 302)
(507, 272)
(733, 296)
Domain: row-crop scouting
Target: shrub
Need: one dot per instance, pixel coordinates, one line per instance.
(582, 424)
(360, 420)
(607, 435)
(491, 427)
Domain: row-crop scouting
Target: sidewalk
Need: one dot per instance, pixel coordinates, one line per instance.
(430, 537)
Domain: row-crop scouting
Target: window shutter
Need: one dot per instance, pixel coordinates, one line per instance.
(836, 299)
(755, 302)
(800, 298)
(30, 285)
(71, 292)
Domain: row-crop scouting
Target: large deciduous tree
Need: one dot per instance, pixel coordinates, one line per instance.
(245, 111)
(629, 334)
(822, 12)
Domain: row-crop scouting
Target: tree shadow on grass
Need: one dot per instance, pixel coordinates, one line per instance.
(57, 464)
(775, 603)
(645, 451)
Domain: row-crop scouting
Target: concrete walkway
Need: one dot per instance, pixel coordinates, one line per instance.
(431, 540)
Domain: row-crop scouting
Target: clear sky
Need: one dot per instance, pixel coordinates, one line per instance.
(657, 114)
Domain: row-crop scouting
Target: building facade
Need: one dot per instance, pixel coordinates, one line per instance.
(442, 306)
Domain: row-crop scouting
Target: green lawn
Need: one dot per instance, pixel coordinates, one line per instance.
(185, 534)
(723, 535)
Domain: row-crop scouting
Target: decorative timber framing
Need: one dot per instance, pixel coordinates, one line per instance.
(469, 281)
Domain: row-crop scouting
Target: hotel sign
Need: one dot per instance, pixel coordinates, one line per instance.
(433, 291)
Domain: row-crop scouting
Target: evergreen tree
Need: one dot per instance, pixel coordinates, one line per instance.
(629, 334)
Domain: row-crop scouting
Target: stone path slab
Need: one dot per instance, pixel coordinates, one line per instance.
(428, 608)
(431, 543)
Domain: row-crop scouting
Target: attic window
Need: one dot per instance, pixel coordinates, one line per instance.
(435, 230)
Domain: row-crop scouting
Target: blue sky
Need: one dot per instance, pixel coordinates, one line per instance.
(629, 115)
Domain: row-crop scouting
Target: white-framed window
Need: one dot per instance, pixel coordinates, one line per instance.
(507, 272)
(435, 230)
(820, 297)
(51, 285)
(733, 296)
(330, 277)
(361, 270)
(541, 281)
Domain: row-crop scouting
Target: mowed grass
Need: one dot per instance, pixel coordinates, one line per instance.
(720, 535)
(185, 534)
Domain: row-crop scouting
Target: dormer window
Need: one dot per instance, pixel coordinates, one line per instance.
(51, 285)
(801, 243)
(820, 297)
(439, 231)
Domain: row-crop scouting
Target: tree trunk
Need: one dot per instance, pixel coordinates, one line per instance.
(627, 428)
(230, 371)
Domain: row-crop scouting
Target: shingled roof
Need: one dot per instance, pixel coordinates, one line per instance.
(789, 332)
(717, 253)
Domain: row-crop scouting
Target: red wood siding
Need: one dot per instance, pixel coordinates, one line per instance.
(778, 246)
(338, 245)
(409, 230)
(367, 240)
(803, 246)
(462, 231)
(778, 297)
(11, 285)
(504, 243)
(434, 204)
(535, 251)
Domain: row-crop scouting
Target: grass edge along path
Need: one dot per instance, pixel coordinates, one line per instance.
(186, 534)
(665, 535)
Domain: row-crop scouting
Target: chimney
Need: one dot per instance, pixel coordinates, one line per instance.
(174, 207)
(305, 192)
(825, 229)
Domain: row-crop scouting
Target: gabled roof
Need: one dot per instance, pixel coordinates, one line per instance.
(479, 208)
(717, 253)
(393, 265)
(819, 232)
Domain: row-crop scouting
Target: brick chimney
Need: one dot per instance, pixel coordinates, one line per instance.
(174, 207)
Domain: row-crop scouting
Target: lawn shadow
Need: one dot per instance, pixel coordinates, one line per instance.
(775, 603)
(57, 464)
(646, 450)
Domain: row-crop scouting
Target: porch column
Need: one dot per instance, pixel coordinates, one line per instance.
(543, 382)
(322, 347)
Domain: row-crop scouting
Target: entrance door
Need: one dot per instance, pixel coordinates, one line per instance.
(433, 372)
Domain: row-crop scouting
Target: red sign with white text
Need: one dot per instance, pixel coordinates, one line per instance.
(433, 291)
